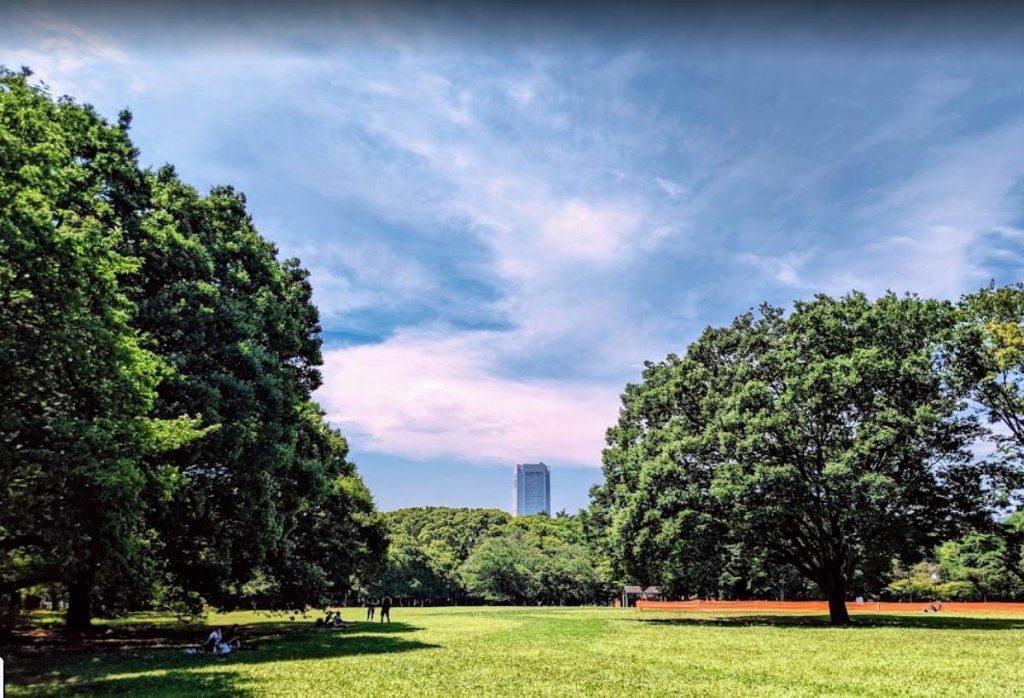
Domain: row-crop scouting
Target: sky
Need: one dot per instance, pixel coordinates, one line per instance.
(507, 211)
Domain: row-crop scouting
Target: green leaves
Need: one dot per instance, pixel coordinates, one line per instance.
(157, 362)
(76, 384)
(829, 440)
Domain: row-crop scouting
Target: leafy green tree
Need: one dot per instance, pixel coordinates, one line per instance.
(429, 546)
(1012, 534)
(993, 353)
(989, 365)
(407, 575)
(157, 437)
(917, 583)
(751, 574)
(568, 575)
(831, 440)
(268, 494)
(505, 569)
(76, 384)
(333, 538)
(442, 555)
(979, 560)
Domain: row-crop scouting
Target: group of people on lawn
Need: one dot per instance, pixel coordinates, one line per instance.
(217, 643)
(385, 609)
(333, 620)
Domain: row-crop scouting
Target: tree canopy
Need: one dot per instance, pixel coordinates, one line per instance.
(442, 555)
(158, 442)
(830, 440)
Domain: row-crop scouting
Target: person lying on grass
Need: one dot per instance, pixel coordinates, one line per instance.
(333, 620)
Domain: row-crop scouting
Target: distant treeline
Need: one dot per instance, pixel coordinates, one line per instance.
(441, 555)
(158, 444)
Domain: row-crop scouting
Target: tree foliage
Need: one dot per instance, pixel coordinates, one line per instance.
(157, 361)
(830, 440)
(76, 385)
(442, 555)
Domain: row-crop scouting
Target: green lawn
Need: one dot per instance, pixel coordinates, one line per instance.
(551, 652)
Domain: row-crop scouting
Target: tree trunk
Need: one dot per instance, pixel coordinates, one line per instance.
(837, 599)
(837, 607)
(79, 606)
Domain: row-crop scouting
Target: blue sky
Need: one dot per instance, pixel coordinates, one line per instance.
(505, 215)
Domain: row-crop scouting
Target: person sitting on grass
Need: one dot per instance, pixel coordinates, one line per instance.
(212, 642)
(933, 607)
(339, 623)
(234, 640)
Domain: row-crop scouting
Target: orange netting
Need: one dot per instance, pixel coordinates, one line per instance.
(822, 606)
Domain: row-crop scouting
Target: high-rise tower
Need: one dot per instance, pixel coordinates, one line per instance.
(531, 489)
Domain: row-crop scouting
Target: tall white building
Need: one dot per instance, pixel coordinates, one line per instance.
(531, 489)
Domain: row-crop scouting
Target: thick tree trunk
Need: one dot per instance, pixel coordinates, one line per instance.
(835, 587)
(79, 606)
(837, 605)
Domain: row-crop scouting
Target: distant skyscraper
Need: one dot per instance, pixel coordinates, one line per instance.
(531, 489)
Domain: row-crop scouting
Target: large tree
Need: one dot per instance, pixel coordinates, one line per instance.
(505, 568)
(157, 362)
(268, 494)
(76, 384)
(830, 439)
(990, 367)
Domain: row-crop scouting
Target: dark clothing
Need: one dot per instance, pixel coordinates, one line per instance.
(385, 609)
(369, 611)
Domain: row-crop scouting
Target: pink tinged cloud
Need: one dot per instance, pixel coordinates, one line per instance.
(429, 397)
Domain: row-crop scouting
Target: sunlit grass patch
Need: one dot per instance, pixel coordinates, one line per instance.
(562, 652)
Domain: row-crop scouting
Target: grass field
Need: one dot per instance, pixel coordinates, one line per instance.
(548, 652)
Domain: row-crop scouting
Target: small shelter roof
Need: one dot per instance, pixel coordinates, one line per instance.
(635, 589)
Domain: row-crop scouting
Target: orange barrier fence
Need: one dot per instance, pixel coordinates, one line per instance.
(822, 606)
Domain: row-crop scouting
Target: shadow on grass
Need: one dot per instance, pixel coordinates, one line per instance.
(40, 640)
(933, 621)
(170, 672)
(178, 682)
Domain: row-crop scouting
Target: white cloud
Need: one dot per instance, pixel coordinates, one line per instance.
(543, 164)
(65, 55)
(673, 189)
(783, 269)
(939, 226)
(429, 395)
(597, 233)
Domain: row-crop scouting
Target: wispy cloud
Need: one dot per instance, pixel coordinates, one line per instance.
(783, 269)
(935, 231)
(65, 54)
(592, 204)
(436, 394)
(598, 233)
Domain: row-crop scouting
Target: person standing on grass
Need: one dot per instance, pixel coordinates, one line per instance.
(371, 604)
(385, 609)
